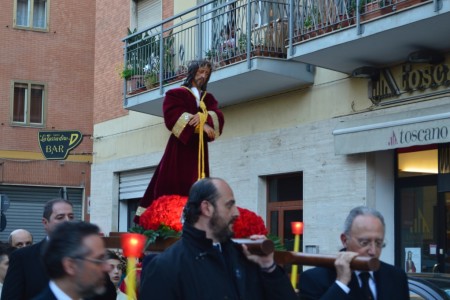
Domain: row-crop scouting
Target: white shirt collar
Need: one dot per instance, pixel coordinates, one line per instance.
(59, 294)
(196, 93)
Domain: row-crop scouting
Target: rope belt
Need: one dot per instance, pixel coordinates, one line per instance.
(201, 147)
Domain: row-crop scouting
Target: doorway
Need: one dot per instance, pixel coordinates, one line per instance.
(423, 225)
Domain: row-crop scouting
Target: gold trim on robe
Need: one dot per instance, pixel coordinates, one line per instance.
(140, 210)
(182, 121)
(215, 120)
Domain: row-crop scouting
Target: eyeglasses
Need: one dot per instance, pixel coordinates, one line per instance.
(97, 261)
(364, 243)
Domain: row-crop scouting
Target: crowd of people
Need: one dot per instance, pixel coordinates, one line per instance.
(205, 263)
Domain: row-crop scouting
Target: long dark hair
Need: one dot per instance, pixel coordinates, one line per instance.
(192, 70)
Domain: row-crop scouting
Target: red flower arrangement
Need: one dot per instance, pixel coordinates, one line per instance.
(248, 224)
(165, 214)
(164, 211)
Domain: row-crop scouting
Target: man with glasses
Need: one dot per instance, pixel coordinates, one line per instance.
(26, 276)
(363, 235)
(75, 262)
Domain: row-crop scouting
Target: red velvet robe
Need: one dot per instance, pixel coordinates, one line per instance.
(178, 168)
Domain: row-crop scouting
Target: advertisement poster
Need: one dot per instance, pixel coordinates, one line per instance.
(413, 260)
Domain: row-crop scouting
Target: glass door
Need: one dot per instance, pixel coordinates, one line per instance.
(423, 202)
(444, 250)
(419, 219)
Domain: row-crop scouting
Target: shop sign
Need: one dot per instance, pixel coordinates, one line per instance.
(426, 135)
(409, 80)
(390, 131)
(57, 144)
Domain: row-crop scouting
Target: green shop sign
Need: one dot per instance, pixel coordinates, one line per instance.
(57, 144)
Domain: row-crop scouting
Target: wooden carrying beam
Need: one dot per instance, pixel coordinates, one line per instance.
(258, 247)
(361, 263)
(265, 247)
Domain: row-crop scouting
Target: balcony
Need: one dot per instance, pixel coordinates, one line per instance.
(337, 35)
(244, 40)
(260, 48)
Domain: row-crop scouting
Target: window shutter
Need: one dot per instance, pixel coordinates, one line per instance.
(27, 206)
(132, 184)
(149, 12)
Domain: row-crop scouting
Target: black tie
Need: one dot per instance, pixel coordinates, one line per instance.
(365, 285)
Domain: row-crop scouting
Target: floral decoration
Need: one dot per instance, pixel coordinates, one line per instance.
(164, 211)
(162, 219)
(248, 223)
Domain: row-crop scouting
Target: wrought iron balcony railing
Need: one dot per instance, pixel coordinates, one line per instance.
(228, 32)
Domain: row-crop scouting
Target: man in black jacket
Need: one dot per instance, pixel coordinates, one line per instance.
(205, 263)
(363, 235)
(26, 276)
(75, 260)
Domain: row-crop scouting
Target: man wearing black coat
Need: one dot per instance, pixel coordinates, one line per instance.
(363, 235)
(26, 275)
(205, 263)
(74, 258)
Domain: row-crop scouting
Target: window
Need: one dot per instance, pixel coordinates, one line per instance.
(265, 12)
(31, 14)
(28, 104)
(146, 13)
(284, 205)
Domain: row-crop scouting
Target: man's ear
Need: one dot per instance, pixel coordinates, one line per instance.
(69, 265)
(344, 239)
(207, 208)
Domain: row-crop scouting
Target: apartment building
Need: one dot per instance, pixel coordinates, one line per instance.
(46, 105)
(327, 104)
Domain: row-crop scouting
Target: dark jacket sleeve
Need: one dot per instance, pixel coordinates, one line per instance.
(278, 286)
(158, 281)
(319, 283)
(13, 286)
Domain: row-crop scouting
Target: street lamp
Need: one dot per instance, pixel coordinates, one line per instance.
(297, 230)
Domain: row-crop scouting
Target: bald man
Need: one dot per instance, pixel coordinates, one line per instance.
(20, 238)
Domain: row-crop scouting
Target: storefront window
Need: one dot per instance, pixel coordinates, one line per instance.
(423, 210)
(417, 163)
(418, 228)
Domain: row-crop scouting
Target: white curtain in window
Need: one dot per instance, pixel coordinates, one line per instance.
(39, 13)
(23, 13)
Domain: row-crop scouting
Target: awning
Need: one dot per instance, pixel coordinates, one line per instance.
(398, 130)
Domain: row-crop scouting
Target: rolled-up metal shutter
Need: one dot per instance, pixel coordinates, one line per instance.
(149, 12)
(27, 206)
(132, 184)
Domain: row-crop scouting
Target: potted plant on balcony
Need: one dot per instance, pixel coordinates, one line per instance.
(133, 78)
(151, 80)
(127, 73)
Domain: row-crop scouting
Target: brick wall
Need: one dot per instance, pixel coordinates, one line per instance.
(112, 21)
(62, 58)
